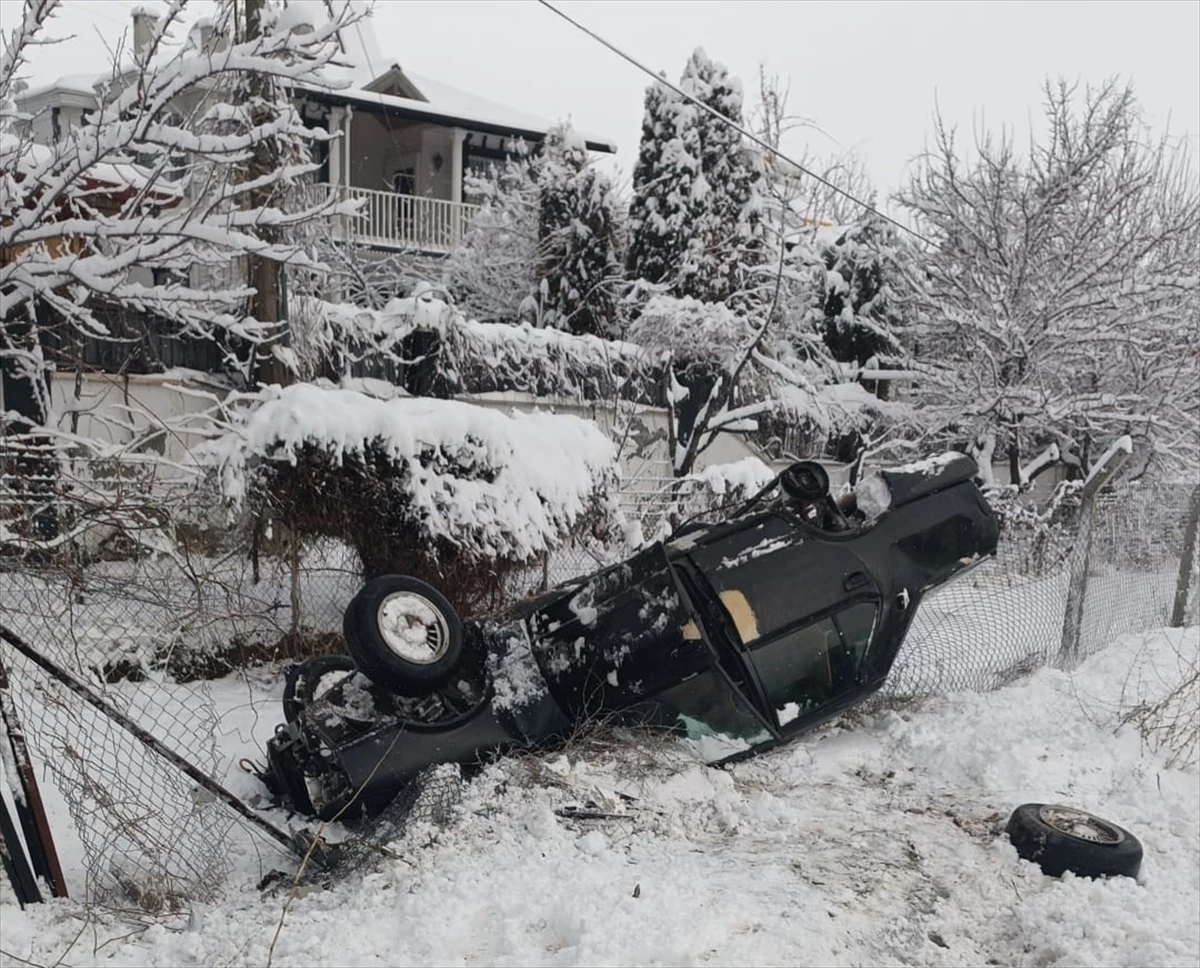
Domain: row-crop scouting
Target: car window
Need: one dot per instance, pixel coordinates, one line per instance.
(857, 623)
(708, 711)
(805, 668)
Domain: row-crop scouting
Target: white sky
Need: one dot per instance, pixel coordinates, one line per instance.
(866, 73)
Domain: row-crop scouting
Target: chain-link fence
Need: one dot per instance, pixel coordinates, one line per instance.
(1068, 578)
(151, 632)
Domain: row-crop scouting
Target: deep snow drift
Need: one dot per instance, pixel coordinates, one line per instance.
(877, 841)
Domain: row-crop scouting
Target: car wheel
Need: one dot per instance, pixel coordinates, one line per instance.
(1060, 839)
(303, 680)
(403, 634)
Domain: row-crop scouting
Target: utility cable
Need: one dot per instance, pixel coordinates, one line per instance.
(736, 127)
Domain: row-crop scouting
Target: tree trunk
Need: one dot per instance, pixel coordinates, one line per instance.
(33, 463)
(263, 273)
(693, 413)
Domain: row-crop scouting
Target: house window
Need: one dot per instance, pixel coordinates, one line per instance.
(138, 342)
(475, 167)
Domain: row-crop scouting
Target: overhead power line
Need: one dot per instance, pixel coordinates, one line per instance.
(736, 127)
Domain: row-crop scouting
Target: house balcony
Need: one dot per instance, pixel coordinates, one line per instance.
(393, 220)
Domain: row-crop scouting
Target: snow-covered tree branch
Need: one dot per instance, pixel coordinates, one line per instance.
(149, 206)
(1060, 299)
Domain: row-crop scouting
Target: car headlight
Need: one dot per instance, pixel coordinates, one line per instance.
(873, 496)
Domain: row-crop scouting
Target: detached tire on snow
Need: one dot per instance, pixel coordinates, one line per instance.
(403, 634)
(1060, 839)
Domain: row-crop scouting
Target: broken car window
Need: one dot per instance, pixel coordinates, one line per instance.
(707, 709)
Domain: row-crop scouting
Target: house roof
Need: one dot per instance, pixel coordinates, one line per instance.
(70, 84)
(364, 67)
(448, 105)
(115, 182)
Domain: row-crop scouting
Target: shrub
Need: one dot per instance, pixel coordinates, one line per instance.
(457, 494)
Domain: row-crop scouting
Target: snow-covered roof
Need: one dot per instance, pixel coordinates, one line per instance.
(364, 63)
(451, 106)
(71, 83)
(25, 156)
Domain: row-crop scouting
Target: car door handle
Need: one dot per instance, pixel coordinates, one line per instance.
(856, 579)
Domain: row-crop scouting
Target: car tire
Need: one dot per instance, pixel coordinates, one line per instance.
(1060, 839)
(302, 678)
(403, 634)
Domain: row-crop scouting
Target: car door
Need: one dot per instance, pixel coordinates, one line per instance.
(800, 606)
(809, 671)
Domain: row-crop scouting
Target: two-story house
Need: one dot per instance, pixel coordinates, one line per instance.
(404, 146)
(405, 141)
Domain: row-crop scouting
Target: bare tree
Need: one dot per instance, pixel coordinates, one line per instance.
(175, 181)
(1058, 304)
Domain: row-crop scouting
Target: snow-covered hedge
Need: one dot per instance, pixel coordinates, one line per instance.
(425, 337)
(436, 488)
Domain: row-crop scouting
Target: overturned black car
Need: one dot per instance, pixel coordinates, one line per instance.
(738, 634)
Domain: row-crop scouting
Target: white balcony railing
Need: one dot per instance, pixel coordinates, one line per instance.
(392, 220)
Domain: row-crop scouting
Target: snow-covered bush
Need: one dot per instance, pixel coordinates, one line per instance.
(451, 492)
(545, 246)
(493, 272)
(859, 312)
(428, 345)
(718, 488)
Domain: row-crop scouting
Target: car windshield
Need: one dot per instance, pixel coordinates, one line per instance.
(708, 711)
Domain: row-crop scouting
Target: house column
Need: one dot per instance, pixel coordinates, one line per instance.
(456, 164)
(346, 170)
(458, 226)
(335, 147)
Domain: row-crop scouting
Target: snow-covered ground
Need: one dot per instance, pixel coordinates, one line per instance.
(877, 841)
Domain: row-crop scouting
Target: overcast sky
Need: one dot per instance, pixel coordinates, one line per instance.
(866, 74)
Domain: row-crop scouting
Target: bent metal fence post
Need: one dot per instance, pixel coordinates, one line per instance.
(163, 891)
(31, 811)
(202, 778)
(1105, 470)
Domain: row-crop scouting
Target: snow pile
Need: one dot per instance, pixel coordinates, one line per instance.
(878, 842)
(738, 479)
(929, 466)
(513, 484)
(714, 489)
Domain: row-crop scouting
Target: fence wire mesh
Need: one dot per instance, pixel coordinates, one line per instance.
(147, 839)
(1011, 615)
(149, 632)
